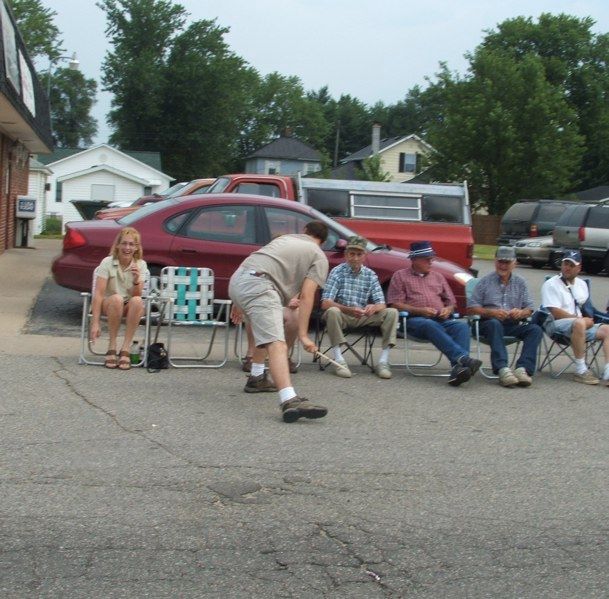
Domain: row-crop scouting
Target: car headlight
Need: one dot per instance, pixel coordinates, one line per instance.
(463, 277)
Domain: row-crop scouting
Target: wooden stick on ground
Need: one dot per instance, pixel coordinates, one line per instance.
(320, 355)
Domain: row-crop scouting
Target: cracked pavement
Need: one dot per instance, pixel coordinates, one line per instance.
(178, 484)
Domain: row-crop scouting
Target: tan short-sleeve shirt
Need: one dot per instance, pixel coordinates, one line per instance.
(119, 280)
(287, 261)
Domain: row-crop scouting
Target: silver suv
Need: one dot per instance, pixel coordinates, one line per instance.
(593, 237)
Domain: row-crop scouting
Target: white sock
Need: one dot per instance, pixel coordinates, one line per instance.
(286, 393)
(384, 357)
(338, 355)
(580, 365)
(606, 372)
(257, 369)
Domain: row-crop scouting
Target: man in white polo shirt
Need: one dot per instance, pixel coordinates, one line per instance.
(564, 296)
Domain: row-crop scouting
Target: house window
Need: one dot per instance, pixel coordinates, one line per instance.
(311, 167)
(58, 191)
(272, 167)
(148, 190)
(408, 163)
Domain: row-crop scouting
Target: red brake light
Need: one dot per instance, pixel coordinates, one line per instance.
(581, 233)
(534, 231)
(73, 239)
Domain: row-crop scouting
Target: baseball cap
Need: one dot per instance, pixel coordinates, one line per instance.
(505, 252)
(573, 256)
(356, 243)
(421, 249)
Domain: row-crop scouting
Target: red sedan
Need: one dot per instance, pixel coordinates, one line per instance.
(218, 231)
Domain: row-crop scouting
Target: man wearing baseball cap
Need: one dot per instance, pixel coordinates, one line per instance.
(353, 298)
(502, 301)
(564, 296)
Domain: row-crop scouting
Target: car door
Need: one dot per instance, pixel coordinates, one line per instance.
(219, 237)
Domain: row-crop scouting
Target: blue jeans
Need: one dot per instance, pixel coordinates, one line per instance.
(451, 337)
(494, 330)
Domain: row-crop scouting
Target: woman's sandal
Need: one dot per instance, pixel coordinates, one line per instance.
(124, 361)
(111, 361)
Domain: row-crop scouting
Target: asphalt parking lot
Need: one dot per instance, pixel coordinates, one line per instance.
(178, 484)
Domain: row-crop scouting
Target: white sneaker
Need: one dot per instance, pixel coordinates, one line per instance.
(524, 380)
(507, 378)
(382, 370)
(342, 370)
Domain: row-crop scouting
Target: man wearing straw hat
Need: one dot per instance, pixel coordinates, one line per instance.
(426, 296)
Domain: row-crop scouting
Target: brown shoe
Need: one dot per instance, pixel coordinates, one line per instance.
(293, 366)
(259, 384)
(298, 407)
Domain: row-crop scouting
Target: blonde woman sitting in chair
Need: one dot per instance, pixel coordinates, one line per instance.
(117, 293)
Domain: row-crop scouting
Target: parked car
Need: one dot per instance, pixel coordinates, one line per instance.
(196, 186)
(155, 197)
(530, 218)
(534, 251)
(567, 231)
(219, 231)
(594, 239)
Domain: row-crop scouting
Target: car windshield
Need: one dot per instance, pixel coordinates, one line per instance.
(219, 185)
(144, 211)
(173, 189)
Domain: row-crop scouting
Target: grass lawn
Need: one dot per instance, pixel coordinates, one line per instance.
(484, 252)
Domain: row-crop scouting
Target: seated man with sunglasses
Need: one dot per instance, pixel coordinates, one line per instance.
(503, 302)
(566, 298)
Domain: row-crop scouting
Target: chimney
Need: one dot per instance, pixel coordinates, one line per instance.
(287, 132)
(376, 138)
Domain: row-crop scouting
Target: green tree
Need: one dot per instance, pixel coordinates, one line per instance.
(40, 34)
(72, 97)
(575, 63)
(348, 124)
(142, 33)
(280, 103)
(371, 170)
(205, 102)
(506, 130)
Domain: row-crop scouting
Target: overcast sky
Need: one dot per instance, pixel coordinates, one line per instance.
(371, 49)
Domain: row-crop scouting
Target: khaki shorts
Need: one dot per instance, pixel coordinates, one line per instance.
(261, 303)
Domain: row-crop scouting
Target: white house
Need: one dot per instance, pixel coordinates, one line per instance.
(37, 188)
(98, 175)
(402, 157)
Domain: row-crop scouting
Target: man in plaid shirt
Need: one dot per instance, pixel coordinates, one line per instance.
(430, 302)
(353, 298)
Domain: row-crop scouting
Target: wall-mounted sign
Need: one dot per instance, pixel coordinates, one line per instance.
(10, 49)
(27, 85)
(26, 207)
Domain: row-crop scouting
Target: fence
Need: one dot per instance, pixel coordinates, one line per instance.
(485, 228)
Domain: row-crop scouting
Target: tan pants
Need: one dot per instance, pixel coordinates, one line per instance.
(337, 322)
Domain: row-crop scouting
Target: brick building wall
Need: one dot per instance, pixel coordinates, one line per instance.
(14, 171)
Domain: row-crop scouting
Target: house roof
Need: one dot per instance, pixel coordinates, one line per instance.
(287, 148)
(385, 144)
(152, 159)
(104, 167)
(35, 165)
(593, 194)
